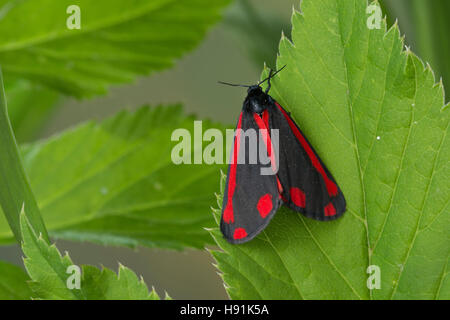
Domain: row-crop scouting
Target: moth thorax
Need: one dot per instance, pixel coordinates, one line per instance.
(257, 106)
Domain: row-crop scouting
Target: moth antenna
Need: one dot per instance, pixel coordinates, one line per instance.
(271, 75)
(234, 85)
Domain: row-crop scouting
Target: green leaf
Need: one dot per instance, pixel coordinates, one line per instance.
(50, 274)
(426, 26)
(377, 119)
(13, 283)
(116, 42)
(114, 183)
(15, 190)
(29, 107)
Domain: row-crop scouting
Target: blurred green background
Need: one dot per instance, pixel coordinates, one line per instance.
(234, 51)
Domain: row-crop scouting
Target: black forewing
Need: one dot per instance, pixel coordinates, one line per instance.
(250, 199)
(307, 183)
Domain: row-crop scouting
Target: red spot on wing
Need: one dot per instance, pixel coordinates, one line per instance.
(265, 205)
(330, 185)
(298, 197)
(239, 233)
(228, 214)
(330, 210)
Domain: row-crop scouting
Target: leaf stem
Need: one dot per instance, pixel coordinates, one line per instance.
(15, 190)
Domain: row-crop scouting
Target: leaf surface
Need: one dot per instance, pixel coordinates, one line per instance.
(117, 40)
(420, 20)
(377, 118)
(53, 279)
(13, 283)
(29, 107)
(114, 182)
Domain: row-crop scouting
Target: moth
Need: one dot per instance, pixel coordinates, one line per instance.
(299, 180)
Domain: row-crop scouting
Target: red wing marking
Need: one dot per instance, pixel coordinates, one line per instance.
(330, 210)
(266, 118)
(239, 233)
(263, 129)
(298, 197)
(228, 215)
(265, 205)
(331, 186)
(280, 187)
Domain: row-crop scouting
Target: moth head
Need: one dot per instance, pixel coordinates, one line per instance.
(257, 100)
(255, 90)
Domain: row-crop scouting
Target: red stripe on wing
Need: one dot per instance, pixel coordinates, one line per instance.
(228, 214)
(263, 129)
(280, 188)
(330, 185)
(265, 117)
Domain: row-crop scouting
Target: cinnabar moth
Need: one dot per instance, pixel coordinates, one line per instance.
(302, 181)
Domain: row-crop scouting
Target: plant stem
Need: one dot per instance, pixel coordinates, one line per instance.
(15, 190)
